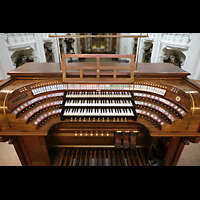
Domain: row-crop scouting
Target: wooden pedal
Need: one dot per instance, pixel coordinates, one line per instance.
(118, 136)
(126, 139)
(133, 136)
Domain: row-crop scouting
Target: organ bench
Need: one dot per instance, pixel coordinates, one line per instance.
(88, 117)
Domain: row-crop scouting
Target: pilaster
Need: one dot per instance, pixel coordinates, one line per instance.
(155, 50)
(5, 60)
(40, 47)
(193, 56)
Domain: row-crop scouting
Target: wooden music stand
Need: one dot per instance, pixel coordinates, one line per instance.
(97, 69)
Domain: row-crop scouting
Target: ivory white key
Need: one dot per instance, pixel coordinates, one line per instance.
(121, 103)
(131, 112)
(70, 111)
(99, 111)
(107, 103)
(108, 113)
(85, 111)
(122, 112)
(111, 113)
(93, 102)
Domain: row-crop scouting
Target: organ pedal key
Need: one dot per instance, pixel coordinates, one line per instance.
(133, 136)
(126, 139)
(118, 142)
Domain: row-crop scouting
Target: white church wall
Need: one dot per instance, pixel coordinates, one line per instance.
(126, 45)
(186, 43)
(193, 57)
(5, 60)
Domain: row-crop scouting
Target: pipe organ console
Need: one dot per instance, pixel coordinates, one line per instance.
(116, 117)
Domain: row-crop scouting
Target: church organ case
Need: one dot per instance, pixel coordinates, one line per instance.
(96, 117)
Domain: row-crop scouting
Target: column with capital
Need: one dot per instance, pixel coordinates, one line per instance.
(155, 50)
(40, 47)
(193, 56)
(55, 52)
(161, 56)
(141, 50)
(5, 60)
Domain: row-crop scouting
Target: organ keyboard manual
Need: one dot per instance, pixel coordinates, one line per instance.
(99, 114)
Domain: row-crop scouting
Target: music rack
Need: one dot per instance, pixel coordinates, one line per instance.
(96, 72)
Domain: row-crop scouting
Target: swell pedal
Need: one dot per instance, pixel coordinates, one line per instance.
(118, 136)
(126, 139)
(133, 136)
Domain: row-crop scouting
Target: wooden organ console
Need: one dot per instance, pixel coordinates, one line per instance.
(104, 114)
